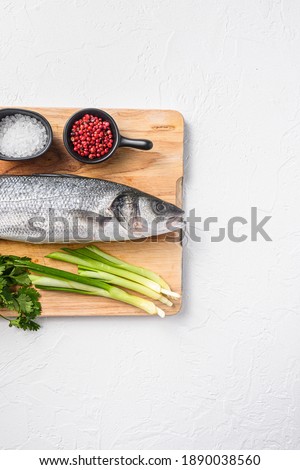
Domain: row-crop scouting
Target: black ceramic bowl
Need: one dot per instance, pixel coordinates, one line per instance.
(119, 140)
(11, 111)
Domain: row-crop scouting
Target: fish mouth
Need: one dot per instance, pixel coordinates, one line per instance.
(176, 214)
(176, 218)
(175, 222)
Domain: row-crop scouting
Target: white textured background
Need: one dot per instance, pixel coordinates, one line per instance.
(224, 373)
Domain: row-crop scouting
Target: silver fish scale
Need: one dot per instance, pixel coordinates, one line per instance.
(24, 198)
(65, 208)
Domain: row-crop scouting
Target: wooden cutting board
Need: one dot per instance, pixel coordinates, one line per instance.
(158, 172)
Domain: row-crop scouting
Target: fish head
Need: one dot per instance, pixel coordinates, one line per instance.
(161, 216)
(143, 215)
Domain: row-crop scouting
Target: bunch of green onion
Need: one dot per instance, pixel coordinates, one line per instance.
(103, 275)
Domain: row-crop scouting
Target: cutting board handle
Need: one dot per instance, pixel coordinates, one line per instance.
(141, 144)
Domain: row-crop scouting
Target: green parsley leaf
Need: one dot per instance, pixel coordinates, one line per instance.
(23, 300)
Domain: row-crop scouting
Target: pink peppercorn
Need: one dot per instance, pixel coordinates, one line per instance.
(91, 137)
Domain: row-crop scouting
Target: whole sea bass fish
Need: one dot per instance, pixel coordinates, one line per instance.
(66, 208)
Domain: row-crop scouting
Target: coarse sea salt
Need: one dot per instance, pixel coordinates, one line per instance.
(21, 136)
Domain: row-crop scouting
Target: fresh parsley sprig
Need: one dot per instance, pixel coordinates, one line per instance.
(16, 293)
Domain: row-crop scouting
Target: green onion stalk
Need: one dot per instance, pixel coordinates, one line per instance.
(90, 261)
(58, 279)
(120, 281)
(127, 266)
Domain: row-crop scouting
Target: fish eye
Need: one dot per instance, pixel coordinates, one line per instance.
(159, 207)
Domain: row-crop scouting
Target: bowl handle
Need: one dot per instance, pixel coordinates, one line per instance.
(141, 144)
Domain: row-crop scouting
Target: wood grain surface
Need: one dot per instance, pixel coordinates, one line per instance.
(158, 172)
